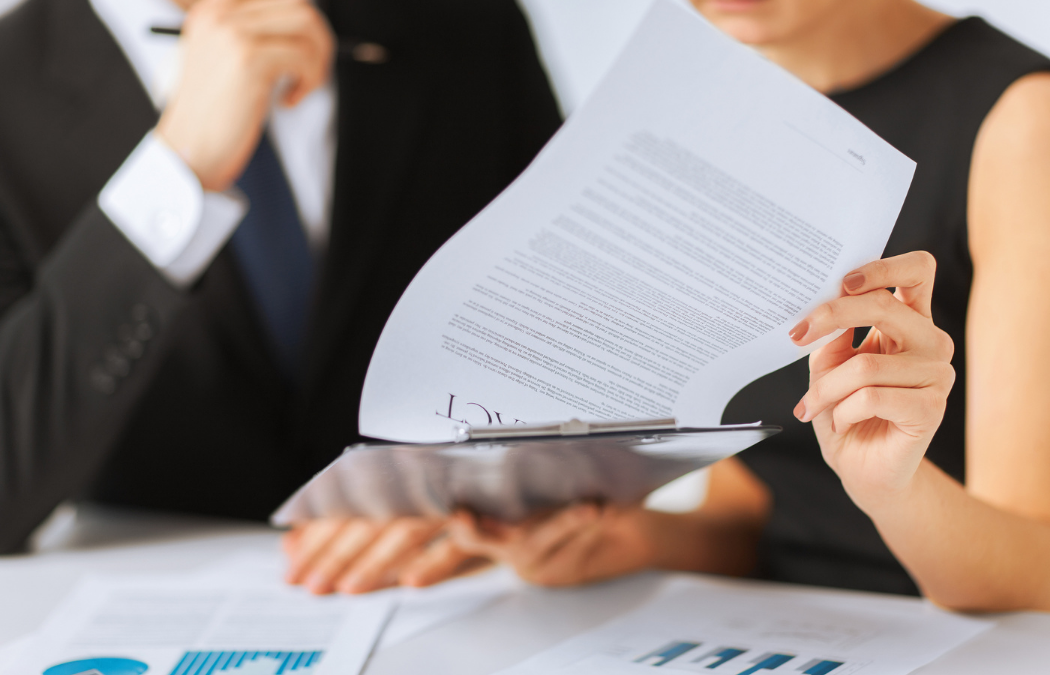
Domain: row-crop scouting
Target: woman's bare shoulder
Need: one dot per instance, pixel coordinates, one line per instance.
(1010, 175)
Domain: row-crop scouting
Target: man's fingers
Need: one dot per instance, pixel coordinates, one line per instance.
(442, 559)
(379, 565)
(873, 370)
(909, 330)
(290, 541)
(341, 552)
(312, 539)
(288, 19)
(912, 274)
(278, 39)
(913, 411)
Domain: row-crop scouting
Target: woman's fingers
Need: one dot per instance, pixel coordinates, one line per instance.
(524, 547)
(913, 411)
(567, 565)
(545, 538)
(908, 329)
(873, 370)
(831, 355)
(464, 531)
(378, 565)
(912, 274)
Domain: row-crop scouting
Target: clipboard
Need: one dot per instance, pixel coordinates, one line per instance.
(511, 473)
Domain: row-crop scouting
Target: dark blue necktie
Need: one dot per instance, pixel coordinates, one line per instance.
(271, 249)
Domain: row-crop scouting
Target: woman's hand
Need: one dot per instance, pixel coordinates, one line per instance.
(358, 555)
(580, 544)
(875, 408)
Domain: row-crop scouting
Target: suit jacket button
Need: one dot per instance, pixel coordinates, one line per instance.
(144, 332)
(103, 382)
(116, 364)
(132, 349)
(140, 312)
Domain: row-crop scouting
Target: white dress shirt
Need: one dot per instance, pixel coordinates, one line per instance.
(158, 203)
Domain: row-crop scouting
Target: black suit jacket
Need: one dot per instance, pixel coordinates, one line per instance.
(116, 386)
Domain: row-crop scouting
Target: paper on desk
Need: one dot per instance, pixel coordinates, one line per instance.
(11, 652)
(727, 627)
(189, 626)
(652, 259)
(418, 609)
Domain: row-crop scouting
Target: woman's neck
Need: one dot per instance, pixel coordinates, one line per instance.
(857, 42)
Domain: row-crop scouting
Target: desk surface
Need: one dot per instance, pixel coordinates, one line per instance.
(493, 638)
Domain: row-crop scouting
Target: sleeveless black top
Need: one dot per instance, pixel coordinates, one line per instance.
(930, 107)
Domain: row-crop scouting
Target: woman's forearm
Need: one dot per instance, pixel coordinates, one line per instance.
(964, 553)
(700, 542)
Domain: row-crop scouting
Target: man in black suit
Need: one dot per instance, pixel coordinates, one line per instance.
(145, 361)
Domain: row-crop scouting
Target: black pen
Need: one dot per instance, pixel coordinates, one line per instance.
(365, 52)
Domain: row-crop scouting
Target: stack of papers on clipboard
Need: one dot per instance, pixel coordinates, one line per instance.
(644, 269)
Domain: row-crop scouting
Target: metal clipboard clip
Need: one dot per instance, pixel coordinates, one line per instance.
(573, 427)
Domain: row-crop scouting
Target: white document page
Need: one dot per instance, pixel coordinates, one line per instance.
(725, 627)
(11, 652)
(418, 609)
(179, 626)
(652, 259)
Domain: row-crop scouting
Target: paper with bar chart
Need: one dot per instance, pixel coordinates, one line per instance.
(168, 625)
(732, 627)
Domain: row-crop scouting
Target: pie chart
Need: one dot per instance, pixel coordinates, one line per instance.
(99, 666)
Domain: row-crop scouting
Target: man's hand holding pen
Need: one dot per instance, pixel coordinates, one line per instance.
(235, 53)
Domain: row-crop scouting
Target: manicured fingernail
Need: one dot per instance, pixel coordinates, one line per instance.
(800, 410)
(799, 331)
(853, 281)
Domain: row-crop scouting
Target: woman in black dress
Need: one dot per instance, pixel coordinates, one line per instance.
(868, 488)
(916, 461)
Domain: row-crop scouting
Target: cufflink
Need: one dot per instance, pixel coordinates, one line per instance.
(167, 224)
(371, 53)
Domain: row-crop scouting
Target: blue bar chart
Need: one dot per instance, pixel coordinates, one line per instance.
(721, 658)
(718, 656)
(247, 663)
(667, 653)
(768, 662)
(820, 667)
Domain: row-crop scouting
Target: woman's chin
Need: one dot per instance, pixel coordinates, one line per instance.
(750, 32)
(742, 7)
(749, 21)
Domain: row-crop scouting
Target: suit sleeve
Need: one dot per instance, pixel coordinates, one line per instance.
(80, 335)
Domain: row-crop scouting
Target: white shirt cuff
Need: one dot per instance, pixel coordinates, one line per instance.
(158, 203)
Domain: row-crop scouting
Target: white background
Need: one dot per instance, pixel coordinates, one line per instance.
(579, 38)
